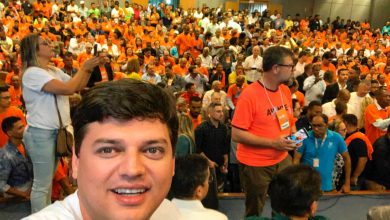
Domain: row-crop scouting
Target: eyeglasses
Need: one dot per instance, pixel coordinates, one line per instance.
(317, 125)
(291, 66)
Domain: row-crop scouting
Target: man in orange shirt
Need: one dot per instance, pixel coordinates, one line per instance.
(85, 55)
(195, 107)
(6, 111)
(235, 91)
(377, 115)
(184, 41)
(327, 65)
(262, 121)
(167, 59)
(181, 69)
(15, 91)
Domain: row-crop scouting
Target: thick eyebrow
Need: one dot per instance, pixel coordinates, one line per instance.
(120, 141)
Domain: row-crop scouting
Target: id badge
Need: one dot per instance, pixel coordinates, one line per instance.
(316, 162)
(282, 117)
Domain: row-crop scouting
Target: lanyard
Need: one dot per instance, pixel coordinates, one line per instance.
(269, 100)
(318, 148)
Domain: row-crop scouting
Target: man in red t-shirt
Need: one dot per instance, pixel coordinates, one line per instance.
(377, 115)
(261, 123)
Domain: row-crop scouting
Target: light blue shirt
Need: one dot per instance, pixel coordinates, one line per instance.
(326, 152)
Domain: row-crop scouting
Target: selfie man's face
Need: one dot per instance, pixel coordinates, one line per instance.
(124, 169)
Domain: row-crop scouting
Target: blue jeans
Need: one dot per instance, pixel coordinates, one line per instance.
(40, 145)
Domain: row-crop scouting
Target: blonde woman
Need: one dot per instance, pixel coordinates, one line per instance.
(133, 69)
(43, 85)
(186, 141)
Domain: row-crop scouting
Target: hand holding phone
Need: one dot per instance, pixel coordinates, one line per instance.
(299, 136)
(95, 52)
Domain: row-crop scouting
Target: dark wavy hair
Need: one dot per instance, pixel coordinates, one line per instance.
(125, 100)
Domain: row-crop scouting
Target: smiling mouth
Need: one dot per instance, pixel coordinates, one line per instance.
(128, 192)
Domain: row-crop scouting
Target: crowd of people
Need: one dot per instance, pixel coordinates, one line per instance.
(243, 84)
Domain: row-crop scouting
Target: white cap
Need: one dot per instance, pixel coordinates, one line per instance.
(82, 2)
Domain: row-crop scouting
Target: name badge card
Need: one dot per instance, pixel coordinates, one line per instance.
(282, 117)
(316, 162)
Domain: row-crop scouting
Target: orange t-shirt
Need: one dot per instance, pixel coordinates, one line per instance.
(300, 97)
(371, 114)
(184, 42)
(61, 173)
(179, 71)
(234, 92)
(103, 72)
(170, 61)
(255, 113)
(11, 111)
(15, 96)
(83, 57)
(195, 121)
(332, 68)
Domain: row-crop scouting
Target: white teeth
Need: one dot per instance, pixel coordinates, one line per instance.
(129, 191)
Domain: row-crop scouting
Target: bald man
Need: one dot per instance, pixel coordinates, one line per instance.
(253, 65)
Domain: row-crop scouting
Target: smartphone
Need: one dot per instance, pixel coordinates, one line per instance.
(95, 50)
(299, 136)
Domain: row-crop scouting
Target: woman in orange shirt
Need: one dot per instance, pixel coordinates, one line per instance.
(154, 17)
(138, 45)
(126, 56)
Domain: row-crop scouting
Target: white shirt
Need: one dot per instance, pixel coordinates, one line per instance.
(74, 9)
(206, 61)
(299, 69)
(329, 108)
(84, 12)
(217, 41)
(76, 47)
(235, 25)
(194, 210)
(40, 105)
(356, 106)
(69, 209)
(114, 51)
(339, 52)
(313, 90)
(198, 81)
(115, 13)
(249, 63)
(54, 9)
(207, 98)
(198, 15)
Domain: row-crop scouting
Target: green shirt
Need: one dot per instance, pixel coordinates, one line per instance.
(95, 11)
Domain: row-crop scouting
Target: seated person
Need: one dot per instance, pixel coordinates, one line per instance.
(319, 150)
(61, 182)
(294, 194)
(378, 169)
(15, 168)
(190, 185)
(124, 154)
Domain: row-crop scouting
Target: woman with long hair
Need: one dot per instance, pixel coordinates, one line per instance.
(186, 141)
(44, 88)
(133, 69)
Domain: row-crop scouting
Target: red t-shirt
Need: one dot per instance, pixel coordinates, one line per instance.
(371, 114)
(255, 114)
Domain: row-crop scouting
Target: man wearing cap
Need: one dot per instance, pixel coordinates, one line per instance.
(83, 10)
